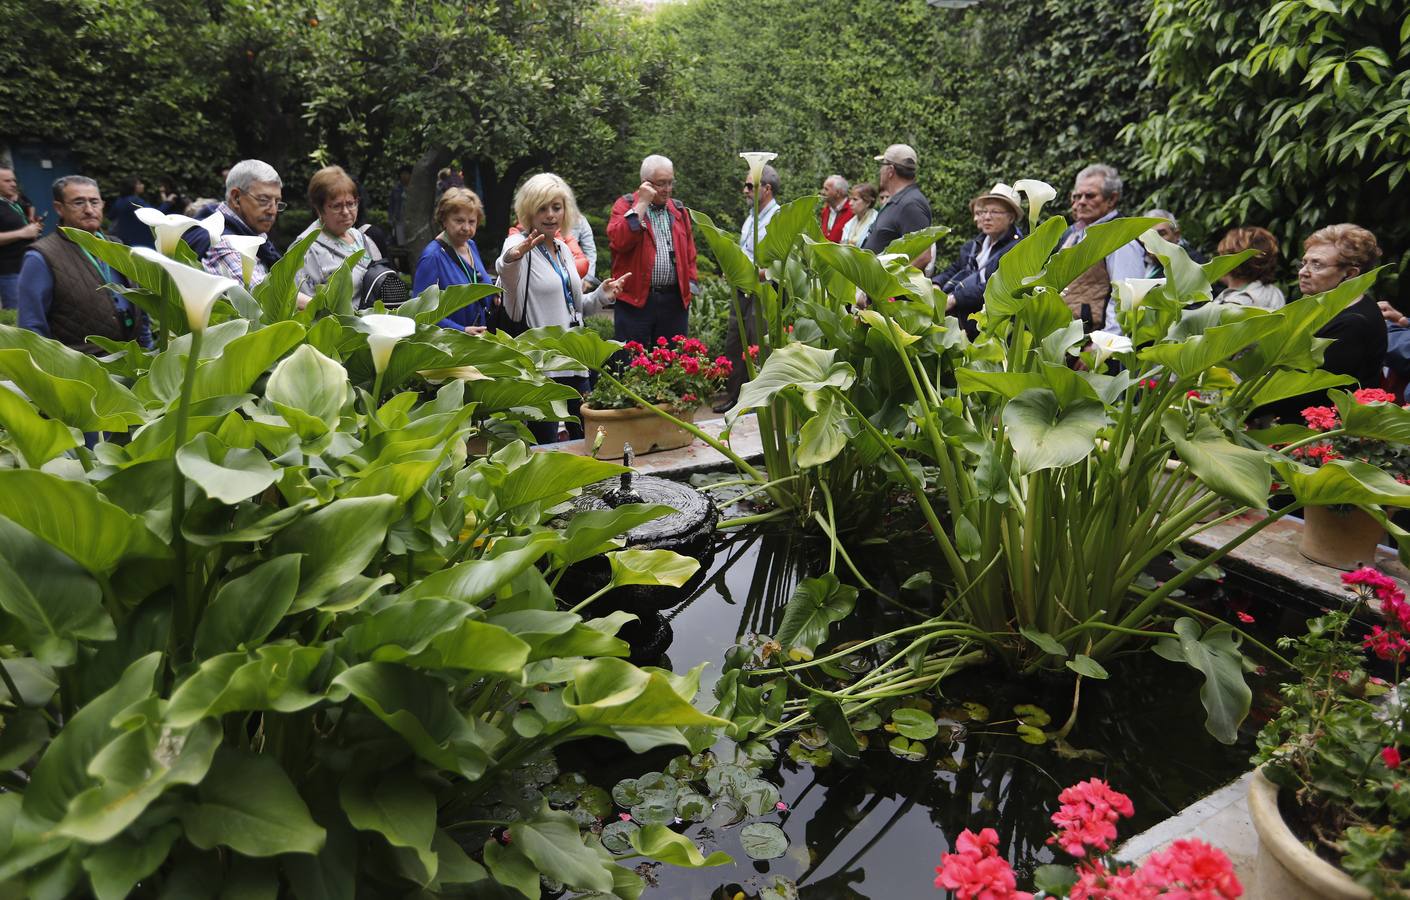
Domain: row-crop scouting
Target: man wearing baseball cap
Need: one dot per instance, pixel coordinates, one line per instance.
(908, 210)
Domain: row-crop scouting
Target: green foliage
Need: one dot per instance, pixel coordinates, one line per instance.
(259, 632)
(1294, 117)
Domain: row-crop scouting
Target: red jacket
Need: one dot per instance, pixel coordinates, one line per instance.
(634, 250)
(834, 233)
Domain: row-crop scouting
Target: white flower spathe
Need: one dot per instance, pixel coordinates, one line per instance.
(168, 229)
(197, 287)
(756, 160)
(1132, 291)
(1038, 193)
(383, 333)
(247, 245)
(1104, 344)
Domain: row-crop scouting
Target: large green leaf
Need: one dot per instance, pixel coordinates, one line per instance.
(235, 369)
(54, 600)
(815, 605)
(796, 365)
(1225, 696)
(1294, 345)
(338, 541)
(1099, 242)
(418, 707)
(276, 677)
(67, 385)
(593, 532)
(1198, 353)
(735, 265)
(651, 568)
(467, 644)
(661, 843)
(248, 803)
(471, 582)
(553, 841)
(550, 477)
(37, 438)
(1006, 384)
(246, 609)
(909, 246)
(860, 268)
(132, 772)
(72, 516)
(1379, 420)
(1239, 473)
(1046, 435)
(572, 346)
(823, 435)
(1343, 481)
(399, 808)
(1021, 263)
(613, 692)
(224, 474)
(116, 867)
(434, 304)
(1288, 383)
(277, 294)
(794, 218)
(1184, 278)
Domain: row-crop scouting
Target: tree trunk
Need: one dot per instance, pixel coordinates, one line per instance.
(497, 194)
(421, 199)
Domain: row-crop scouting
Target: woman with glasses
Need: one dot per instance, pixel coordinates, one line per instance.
(995, 214)
(333, 196)
(452, 258)
(1330, 256)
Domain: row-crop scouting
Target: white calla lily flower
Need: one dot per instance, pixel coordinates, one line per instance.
(756, 160)
(1132, 291)
(168, 229)
(197, 287)
(1104, 344)
(1038, 193)
(247, 245)
(383, 333)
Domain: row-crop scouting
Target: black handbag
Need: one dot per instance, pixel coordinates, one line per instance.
(384, 283)
(501, 322)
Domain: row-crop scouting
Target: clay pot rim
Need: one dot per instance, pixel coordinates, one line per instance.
(630, 410)
(1276, 838)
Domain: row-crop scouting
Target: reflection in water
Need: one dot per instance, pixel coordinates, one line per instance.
(876, 830)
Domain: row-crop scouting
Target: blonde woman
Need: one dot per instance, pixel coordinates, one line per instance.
(540, 281)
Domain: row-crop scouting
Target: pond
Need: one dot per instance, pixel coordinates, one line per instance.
(877, 829)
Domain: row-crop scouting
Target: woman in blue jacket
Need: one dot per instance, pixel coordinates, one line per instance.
(996, 213)
(452, 258)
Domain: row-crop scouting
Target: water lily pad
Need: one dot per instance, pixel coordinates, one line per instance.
(781, 889)
(692, 807)
(914, 724)
(1031, 735)
(680, 768)
(728, 810)
(726, 778)
(911, 751)
(821, 758)
(595, 801)
(813, 738)
(567, 789)
(977, 711)
(763, 840)
(1029, 714)
(626, 793)
(869, 720)
(617, 837)
(752, 756)
(655, 811)
(759, 797)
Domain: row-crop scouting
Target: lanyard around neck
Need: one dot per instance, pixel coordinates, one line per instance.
(19, 210)
(469, 270)
(562, 274)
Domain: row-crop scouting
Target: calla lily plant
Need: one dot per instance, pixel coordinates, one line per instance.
(247, 245)
(1038, 193)
(198, 288)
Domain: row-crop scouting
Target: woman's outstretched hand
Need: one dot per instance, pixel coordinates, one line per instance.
(613, 286)
(532, 240)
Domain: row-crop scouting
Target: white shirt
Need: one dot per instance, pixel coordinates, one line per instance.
(746, 231)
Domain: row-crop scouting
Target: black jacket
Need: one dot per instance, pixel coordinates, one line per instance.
(966, 280)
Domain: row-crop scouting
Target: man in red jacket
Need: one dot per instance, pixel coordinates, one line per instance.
(651, 237)
(836, 211)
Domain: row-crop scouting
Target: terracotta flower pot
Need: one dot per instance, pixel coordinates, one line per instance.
(1341, 537)
(643, 429)
(1285, 868)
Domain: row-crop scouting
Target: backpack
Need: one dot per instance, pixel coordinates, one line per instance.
(384, 283)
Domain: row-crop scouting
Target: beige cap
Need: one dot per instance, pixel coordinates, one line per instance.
(899, 155)
(1004, 194)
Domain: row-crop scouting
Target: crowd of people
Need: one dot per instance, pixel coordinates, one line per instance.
(546, 265)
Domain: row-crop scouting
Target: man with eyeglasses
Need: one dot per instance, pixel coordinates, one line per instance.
(63, 293)
(253, 200)
(651, 239)
(1095, 195)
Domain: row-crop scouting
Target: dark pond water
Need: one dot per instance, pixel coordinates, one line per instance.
(877, 829)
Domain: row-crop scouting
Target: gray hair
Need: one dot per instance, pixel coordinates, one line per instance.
(841, 182)
(1165, 214)
(654, 163)
(61, 183)
(770, 177)
(1111, 179)
(246, 172)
